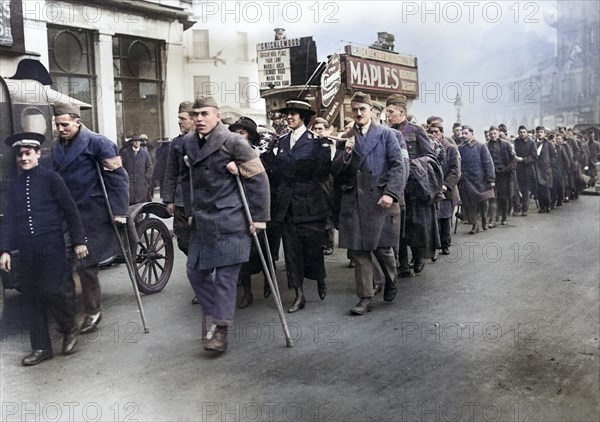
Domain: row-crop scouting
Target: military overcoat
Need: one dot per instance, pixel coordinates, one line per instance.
(220, 235)
(373, 168)
(76, 161)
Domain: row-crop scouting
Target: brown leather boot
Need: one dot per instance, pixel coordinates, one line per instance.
(218, 342)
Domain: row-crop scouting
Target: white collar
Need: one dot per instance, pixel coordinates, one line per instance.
(365, 128)
(298, 132)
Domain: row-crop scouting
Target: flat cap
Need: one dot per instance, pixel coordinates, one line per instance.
(186, 107)
(66, 108)
(202, 102)
(434, 119)
(396, 99)
(377, 105)
(321, 120)
(455, 125)
(361, 97)
(25, 139)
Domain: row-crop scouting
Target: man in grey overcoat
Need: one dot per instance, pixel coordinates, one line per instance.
(220, 238)
(370, 172)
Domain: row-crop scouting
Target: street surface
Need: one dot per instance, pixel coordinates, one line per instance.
(506, 328)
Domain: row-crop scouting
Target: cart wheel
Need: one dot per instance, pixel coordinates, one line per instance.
(154, 256)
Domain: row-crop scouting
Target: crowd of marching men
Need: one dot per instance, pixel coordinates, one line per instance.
(389, 187)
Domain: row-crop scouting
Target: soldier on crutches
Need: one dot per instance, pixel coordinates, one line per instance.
(123, 238)
(219, 241)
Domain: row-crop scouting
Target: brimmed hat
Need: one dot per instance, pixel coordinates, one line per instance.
(25, 139)
(248, 125)
(202, 102)
(361, 97)
(66, 108)
(296, 104)
(135, 137)
(396, 99)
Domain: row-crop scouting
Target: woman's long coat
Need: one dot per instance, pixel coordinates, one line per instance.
(220, 234)
(372, 169)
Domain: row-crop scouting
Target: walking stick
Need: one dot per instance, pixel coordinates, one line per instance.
(268, 270)
(125, 249)
(458, 208)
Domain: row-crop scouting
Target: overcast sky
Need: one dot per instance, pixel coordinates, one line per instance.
(454, 41)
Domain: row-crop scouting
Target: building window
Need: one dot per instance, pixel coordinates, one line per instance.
(242, 46)
(243, 91)
(71, 57)
(201, 85)
(138, 86)
(200, 50)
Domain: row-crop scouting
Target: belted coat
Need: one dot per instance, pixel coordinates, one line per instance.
(299, 173)
(220, 231)
(76, 161)
(373, 168)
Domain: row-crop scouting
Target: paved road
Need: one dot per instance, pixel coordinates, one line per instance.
(506, 328)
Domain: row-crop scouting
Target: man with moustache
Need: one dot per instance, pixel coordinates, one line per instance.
(75, 156)
(220, 234)
(369, 169)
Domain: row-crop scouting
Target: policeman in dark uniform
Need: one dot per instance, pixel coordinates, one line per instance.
(33, 224)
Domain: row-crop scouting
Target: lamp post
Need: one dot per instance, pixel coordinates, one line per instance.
(458, 105)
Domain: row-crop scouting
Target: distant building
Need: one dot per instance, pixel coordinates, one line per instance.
(562, 90)
(123, 58)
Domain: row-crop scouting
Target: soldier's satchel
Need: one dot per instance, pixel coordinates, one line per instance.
(425, 180)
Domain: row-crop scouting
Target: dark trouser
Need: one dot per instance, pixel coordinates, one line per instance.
(216, 292)
(445, 225)
(365, 270)
(477, 213)
(274, 237)
(543, 195)
(182, 229)
(524, 203)
(558, 194)
(417, 254)
(90, 289)
(47, 285)
(302, 244)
